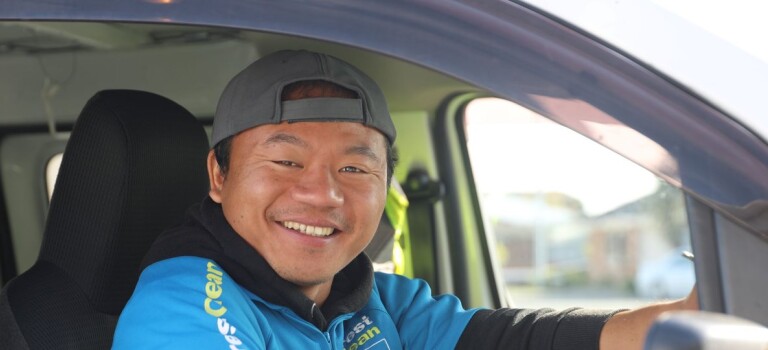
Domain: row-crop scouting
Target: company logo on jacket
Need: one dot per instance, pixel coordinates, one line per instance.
(214, 307)
(363, 336)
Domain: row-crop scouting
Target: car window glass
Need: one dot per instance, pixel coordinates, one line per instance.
(573, 223)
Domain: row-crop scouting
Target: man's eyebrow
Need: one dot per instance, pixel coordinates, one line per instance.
(363, 151)
(285, 138)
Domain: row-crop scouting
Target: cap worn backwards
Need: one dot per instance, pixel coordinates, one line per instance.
(253, 97)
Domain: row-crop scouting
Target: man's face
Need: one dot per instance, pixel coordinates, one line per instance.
(307, 196)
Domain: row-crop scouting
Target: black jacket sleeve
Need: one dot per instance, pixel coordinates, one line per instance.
(527, 329)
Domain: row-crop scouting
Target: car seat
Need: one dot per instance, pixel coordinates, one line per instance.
(133, 164)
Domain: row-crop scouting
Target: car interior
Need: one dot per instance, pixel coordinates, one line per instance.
(523, 193)
(135, 161)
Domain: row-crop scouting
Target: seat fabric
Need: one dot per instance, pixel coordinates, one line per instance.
(134, 163)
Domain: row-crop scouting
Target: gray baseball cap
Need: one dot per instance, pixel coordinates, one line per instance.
(253, 97)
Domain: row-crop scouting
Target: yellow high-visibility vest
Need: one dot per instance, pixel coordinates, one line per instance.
(396, 210)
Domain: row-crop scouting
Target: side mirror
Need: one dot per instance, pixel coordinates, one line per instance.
(700, 330)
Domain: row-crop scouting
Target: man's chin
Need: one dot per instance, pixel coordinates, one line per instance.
(305, 279)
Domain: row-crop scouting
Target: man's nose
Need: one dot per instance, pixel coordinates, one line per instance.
(319, 187)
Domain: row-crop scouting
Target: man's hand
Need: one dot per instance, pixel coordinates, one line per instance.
(627, 329)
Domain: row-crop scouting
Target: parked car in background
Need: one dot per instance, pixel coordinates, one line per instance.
(668, 277)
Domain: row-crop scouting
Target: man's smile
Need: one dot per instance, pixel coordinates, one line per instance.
(315, 231)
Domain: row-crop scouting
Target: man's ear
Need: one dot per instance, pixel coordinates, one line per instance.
(215, 178)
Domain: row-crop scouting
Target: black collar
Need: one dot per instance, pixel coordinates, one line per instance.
(207, 234)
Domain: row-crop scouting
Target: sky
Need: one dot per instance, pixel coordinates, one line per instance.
(741, 22)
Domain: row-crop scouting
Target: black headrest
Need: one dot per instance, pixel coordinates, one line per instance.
(133, 164)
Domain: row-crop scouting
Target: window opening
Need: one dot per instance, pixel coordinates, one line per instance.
(573, 223)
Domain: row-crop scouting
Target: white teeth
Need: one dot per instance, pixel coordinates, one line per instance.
(315, 231)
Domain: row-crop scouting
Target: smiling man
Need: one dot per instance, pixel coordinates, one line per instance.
(303, 195)
(272, 259)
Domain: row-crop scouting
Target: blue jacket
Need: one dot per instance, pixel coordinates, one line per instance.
(204, 287)
(191, 303)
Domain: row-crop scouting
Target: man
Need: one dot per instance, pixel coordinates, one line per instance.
(272, 258)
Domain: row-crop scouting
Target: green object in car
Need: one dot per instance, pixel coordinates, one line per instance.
(396, 210)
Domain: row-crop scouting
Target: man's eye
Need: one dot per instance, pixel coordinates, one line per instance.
(286, 163)
(350, 169)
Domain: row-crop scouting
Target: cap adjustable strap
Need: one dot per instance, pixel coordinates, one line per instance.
(325, 108)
